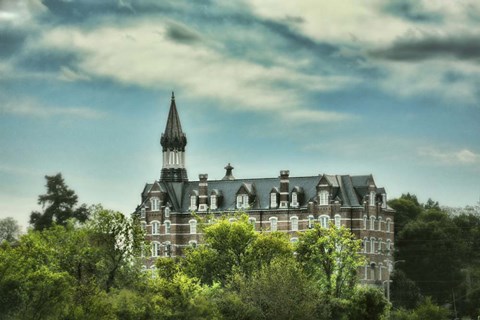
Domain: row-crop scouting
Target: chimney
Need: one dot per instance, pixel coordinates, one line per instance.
(284, 186)
(202, 193)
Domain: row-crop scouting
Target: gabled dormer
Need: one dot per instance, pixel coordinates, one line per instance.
(297, 196)
(216, 199)
(324, 191)
(193, 196)
(245, 196)
(274, 197)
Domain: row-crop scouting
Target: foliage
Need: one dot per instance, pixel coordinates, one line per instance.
(427, 310)
(9, 230)
(368, 304)
(58, 205)
(331, 257)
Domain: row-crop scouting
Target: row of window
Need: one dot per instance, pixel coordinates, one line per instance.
(376, 224)
(376, 246)
(155, 226)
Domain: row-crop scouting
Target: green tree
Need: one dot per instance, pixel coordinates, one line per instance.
(9, 230)
(406, 209)
(368, 304)
(58, 205)
(331, 257)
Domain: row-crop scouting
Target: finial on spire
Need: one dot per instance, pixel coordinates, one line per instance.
(173, 95)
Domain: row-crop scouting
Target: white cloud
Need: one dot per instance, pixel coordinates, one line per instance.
(30, 108)
(302, 116)
(458, 157)
(152, 60)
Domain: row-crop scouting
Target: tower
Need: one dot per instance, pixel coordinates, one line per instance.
(173, 142)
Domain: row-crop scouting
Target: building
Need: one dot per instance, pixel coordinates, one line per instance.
(284, 203)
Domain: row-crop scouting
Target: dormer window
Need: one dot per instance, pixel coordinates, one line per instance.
(213, 201)
(323, 198)
(384, 201)
(294, 200)
(193, 200)
(273, 200)
(155, 204)
(242, 201)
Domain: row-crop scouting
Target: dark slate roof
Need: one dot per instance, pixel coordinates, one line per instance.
(173, 137)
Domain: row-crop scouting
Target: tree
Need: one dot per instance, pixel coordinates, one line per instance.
(368, 304)
(9, 230)
(406, 209)
(331, 257)
(58, 205)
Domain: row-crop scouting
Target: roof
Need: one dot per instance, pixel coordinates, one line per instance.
(173, 137)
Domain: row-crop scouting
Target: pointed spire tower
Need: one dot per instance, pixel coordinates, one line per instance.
(173, 143)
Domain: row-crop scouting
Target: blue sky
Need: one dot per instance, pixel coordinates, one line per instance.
(389, 88)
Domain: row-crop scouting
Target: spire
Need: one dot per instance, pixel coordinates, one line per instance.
(173, 137)
(228, 174)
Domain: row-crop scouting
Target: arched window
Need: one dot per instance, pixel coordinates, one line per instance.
(193, 202)
(213, 201)
(155, 204)
(155, 227)
(168, 249)
(389, 245)
(372, 198)
(372, 245)
(338, 221)
(365, 222)
(389, 226)
(311, 221)
(323, 198)
(156, 247)
(168, 226)
(294, 223)
(193, 226)
(380, 267)
(365, 245)
(293, 239)
(324, 219)
(372, 223)
(379, 224)
(273, 224)
(379, 247)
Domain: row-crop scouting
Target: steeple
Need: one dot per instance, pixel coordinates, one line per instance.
(173, 142)
(173, 138)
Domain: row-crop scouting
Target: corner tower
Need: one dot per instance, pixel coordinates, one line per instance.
(173, 142)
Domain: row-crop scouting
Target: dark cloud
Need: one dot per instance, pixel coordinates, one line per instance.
(411, 10)
(11, 41)
(181, 33)
(460, 47)
(47, 60)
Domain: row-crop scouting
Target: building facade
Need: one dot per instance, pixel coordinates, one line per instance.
(284, 203)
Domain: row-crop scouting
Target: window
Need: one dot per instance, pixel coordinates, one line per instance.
(193, 226)
(323, 198)
(379, 224)
(252, 221)
(193, 202)
(168, 249)
(372, 245)
(384, 201)
(365, 245)
(380, 266)
(144, 226)
(155, 227)
(389, 226)
(365, 222)
(379, 246)
(293, 239)
(213, 202)
(389, 245)
(142, 213)
(372, 271)
(242, 201)
(156, 247)
(324, 221)
(311, 221)
(155, 204)
(167, 226)
(273, 200)
(294, 199)
(294, 223)
(167, 212)
(372, 223)
(338, 221)
(366, 271)
(372, 198)
(273, 223)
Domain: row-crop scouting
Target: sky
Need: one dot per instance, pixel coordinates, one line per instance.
(389, 88)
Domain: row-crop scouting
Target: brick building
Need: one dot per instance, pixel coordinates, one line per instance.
(284, 203)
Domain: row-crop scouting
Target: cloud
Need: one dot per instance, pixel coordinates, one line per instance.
(428, 46)
(30, 108)
(413, 10)
(181, 33)
(316, 116)
(460, 157)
